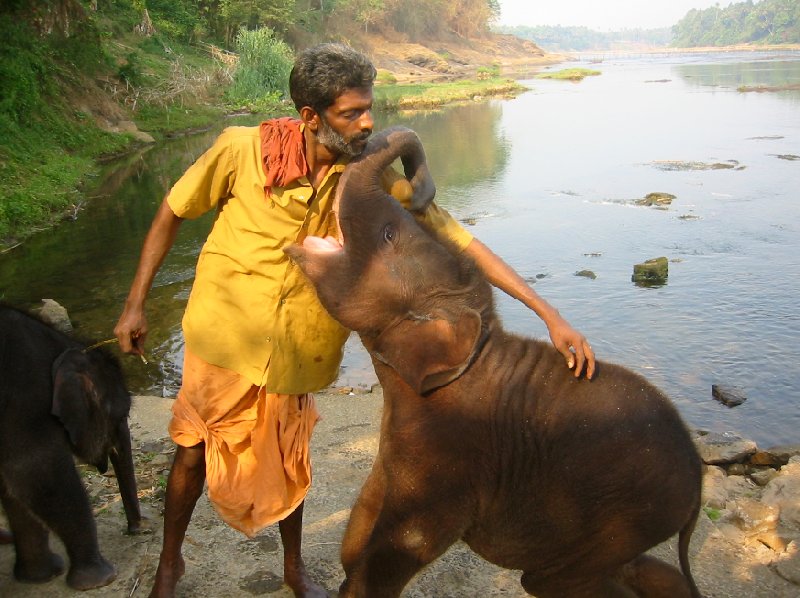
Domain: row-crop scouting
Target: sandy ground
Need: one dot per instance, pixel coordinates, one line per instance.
(222, 562)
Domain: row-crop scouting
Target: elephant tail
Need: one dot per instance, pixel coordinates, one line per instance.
(684, 538)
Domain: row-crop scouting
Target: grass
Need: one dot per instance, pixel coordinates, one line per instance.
(410, 96)
(48, 148)
(574, 74)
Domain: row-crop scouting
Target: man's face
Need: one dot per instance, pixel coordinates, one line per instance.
(346, 125)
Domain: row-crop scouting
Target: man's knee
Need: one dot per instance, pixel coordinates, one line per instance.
(190, 457)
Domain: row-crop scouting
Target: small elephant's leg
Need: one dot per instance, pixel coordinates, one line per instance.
(59, 500)
(566, 587)
(402, 542)
(650, 577)
(362, 518)
(35, 563)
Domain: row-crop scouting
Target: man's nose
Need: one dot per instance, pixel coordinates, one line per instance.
(366, 123)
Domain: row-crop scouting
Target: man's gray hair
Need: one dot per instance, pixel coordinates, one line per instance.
(322, 73)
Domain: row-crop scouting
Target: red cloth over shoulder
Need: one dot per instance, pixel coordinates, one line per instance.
(283, 151)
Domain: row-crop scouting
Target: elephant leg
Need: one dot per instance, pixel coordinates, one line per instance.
(568, 587)
(6, 537)
(402, 542)
(35, 563)
(650, 577)
(56, 496)
(362, 518)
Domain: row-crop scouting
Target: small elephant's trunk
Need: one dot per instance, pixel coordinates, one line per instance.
(121, 456)
(361, 180)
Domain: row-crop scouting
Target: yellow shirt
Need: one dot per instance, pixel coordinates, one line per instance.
(251, 310)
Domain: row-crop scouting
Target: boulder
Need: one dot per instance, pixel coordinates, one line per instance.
(56, 315)
(653, 271)
(727, 447)
(731, 396)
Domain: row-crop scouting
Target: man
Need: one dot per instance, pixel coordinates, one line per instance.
(257, 340)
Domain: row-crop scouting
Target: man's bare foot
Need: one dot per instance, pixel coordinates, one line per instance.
(296, 577)
(167, 576)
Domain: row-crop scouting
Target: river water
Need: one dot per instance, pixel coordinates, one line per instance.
(549, 180)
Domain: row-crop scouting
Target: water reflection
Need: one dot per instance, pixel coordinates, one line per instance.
(774, 74)
(546, 180)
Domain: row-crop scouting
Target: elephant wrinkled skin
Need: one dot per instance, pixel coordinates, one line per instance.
(486, 436)
(58, 399)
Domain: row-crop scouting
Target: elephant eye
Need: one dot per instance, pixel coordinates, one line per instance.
(389, 233)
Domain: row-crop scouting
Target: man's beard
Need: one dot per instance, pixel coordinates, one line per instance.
(336, 142)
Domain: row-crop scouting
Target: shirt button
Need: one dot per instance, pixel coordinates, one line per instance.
(269, 339)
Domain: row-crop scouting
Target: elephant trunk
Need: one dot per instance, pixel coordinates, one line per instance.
(361, 180)
(121, 457)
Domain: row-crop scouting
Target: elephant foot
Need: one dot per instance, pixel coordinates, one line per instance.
(93, 575)
(41, 571)
(6, 537)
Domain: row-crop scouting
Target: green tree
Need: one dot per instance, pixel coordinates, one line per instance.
(764, 22)
(250, 14)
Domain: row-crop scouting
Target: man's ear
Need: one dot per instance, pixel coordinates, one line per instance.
(310, 117)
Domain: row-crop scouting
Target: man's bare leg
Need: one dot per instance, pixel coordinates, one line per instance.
(294, 569)
(184, 487)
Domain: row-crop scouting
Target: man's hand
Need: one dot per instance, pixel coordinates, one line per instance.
(131, 330)
(573, 346)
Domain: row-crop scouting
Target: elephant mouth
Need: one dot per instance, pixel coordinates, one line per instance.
(327, 244)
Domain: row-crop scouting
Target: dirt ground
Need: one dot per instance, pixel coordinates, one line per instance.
(224, 563)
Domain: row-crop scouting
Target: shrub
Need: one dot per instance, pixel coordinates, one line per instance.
(262, 72)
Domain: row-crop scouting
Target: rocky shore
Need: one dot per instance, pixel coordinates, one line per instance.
(746, 542)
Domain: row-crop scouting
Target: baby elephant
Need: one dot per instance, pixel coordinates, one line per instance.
(486, 436)
(58, 399)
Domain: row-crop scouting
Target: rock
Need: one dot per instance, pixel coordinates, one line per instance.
(143, 137)
(715, 495)
(783, 493)
(728, 447)
(736, 469)
(653, 271)
(768, 458)
(781, 453)
(753, 517)
(586, 274)
(789, 569)
(56, 315)
(773, 540)
(731, 396)
(763, 476)
(656, 199)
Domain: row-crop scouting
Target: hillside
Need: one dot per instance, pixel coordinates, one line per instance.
(423, 61)
(80, 86)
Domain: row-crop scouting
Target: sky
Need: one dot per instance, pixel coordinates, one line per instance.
(600, 15)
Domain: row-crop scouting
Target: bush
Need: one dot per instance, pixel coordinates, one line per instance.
(262, 72)
(25, 71)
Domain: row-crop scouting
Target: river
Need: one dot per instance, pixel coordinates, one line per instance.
(549, 180)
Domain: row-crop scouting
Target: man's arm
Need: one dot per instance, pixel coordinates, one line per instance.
(131, 329)
(569, 342)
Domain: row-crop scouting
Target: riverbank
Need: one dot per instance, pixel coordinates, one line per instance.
(100, 117)
(746, 542)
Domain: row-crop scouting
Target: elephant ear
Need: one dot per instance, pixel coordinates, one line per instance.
(430, 351)
(77, 405)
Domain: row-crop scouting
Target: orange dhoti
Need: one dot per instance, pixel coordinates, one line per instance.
(258, 466)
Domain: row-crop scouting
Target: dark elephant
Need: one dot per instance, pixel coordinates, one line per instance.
(486, 436)
(58, 399)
